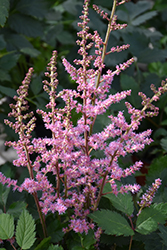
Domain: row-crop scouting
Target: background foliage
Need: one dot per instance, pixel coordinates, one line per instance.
(30, 30)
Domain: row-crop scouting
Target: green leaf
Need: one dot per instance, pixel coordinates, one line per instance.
(149, 218)
(4, 76)
(112, 222)
(37, 8)
(160, 132)
(4, 7)
(163, 143)
(128, 82)
(25, 230)
(8, 61)
(157, 169)
(143, 18)
(122, 202)
(7, 91)
(152, 55)
(19, 42)
(56, 247)
(25, 25)
(36, 85)
(151, 241)
(4, 192)
(136, 40)
(2, 42)
(16, 208)
(30, 51)
(71, 6)
(88, 239)
(65, 38)
(43, 244)
(137, 8)
(163, 234)
(6, 226)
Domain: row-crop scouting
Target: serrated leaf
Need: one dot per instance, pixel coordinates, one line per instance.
(56, 247)
(16, 208)
(25, 25)
(43, 244)
(25, 230)
(6, 226)
(163, 234)
(122, 202)
(143, 18)
(112, 222)
(149, 218)
(4, 7)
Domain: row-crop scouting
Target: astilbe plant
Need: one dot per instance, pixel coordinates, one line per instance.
(69, 154)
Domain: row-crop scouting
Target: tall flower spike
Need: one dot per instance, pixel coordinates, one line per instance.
(147, 198)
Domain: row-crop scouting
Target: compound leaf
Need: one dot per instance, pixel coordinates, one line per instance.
(25, 230)
(6, 226)
(112, 222)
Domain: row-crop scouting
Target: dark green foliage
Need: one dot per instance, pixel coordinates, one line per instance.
(112, 222)
(122, 202)
(4, 7)
(149, 218)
